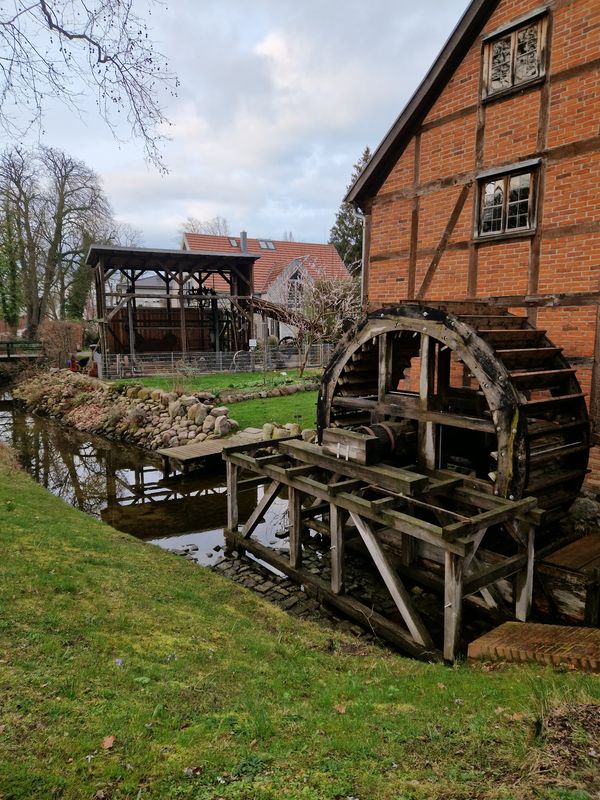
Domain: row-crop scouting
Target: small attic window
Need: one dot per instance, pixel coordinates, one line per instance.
(266, 244)
(233, 242)
(515, 56)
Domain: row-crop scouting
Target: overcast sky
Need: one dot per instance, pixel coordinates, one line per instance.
(277, 100)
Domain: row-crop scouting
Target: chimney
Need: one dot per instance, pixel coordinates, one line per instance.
(243, 242)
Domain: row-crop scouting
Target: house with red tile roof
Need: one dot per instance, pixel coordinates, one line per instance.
(275, 256)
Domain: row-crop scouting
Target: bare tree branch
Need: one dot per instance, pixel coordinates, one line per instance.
(57, 48)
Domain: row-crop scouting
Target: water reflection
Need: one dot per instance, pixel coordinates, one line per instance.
(126, 487)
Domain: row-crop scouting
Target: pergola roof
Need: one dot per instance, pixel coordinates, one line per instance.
(173, 260)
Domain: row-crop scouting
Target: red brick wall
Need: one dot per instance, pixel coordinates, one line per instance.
(514, 129)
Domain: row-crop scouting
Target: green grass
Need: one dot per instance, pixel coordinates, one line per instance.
(212, 693)
(300, 408)
(218, 381)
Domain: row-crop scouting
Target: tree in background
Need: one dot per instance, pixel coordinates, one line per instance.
(59, 207)
(346, 234)
(217, 226)
(51, 48)
(10, 278)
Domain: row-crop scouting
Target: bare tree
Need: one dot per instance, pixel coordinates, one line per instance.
(319, 308)
(53, 48)
(217, 226)
(59, 206)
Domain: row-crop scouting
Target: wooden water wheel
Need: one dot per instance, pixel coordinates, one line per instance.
(482, 393)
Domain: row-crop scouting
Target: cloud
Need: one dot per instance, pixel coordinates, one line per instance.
(277, 101)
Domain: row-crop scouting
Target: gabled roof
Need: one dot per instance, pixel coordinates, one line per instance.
(272, 261)
(399, 135)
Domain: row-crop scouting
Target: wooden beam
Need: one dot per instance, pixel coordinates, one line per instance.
(426, 440)
(453, 594)
(524, 578)
(232, 496)
(264, 505)
(361, 613)
(336, 528)
(439, 251)
(295, 526)
(491, 574)
(395, 586)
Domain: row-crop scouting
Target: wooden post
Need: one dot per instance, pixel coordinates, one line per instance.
(295, 531)
(232, 498)
(182, 317)
(524, 579)
(336, 525)
(131, 332)
(453, 589)
(426, 446)
(396, 588)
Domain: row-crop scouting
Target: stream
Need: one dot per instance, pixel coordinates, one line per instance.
(126, 487)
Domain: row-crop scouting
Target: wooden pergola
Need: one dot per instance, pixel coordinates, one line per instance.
(202, 301)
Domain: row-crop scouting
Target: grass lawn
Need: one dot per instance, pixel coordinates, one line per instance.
(126, 672)
(218, 381)
(300, 408)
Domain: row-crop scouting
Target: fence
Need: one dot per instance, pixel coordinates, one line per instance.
(198, 363)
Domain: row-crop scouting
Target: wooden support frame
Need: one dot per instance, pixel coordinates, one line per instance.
(392, 537)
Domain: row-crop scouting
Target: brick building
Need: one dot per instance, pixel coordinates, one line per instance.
(488, 184)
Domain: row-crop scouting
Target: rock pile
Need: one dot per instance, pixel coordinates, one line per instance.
(149, 418)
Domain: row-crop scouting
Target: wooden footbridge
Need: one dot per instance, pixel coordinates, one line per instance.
(19, 350)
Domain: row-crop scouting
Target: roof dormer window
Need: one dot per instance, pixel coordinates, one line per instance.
(233, 242)
(266, 244)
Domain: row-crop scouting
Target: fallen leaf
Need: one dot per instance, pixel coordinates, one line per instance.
(108, 742)
(341, 709)
(441, 685)
(500, 710)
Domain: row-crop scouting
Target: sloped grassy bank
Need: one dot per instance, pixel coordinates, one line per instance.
(126, 672)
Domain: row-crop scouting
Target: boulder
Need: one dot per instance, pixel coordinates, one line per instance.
(208, 425)
(294, 429)
(309, 434)
(186, 400)
(267, 430)
(219, 411)
(192, 410)
(201, 414)
(132, 391)
(157, 395)
(222, 426)
(585, 509)
(144, 393)
(174, 408)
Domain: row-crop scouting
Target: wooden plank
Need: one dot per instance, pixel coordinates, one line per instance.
(393, 478)
(388, 630)
(264, 505)
(407, 407)
(395, 586)
(502, 569)
(351, 445)
(576, 555)
(336, 528)
(295, 526)
(453, 594)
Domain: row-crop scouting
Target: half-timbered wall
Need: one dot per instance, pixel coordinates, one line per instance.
(422, 240)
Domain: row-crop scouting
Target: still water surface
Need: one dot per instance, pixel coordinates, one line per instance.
(125, 486)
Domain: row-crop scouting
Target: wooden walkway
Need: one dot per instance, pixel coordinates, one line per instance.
(546, 644)
(189, 455)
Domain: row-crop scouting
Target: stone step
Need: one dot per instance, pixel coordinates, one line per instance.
(574, 647)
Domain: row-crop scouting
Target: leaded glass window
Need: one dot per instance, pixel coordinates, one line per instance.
(515, 58)
(506, 203)
(500, 77)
